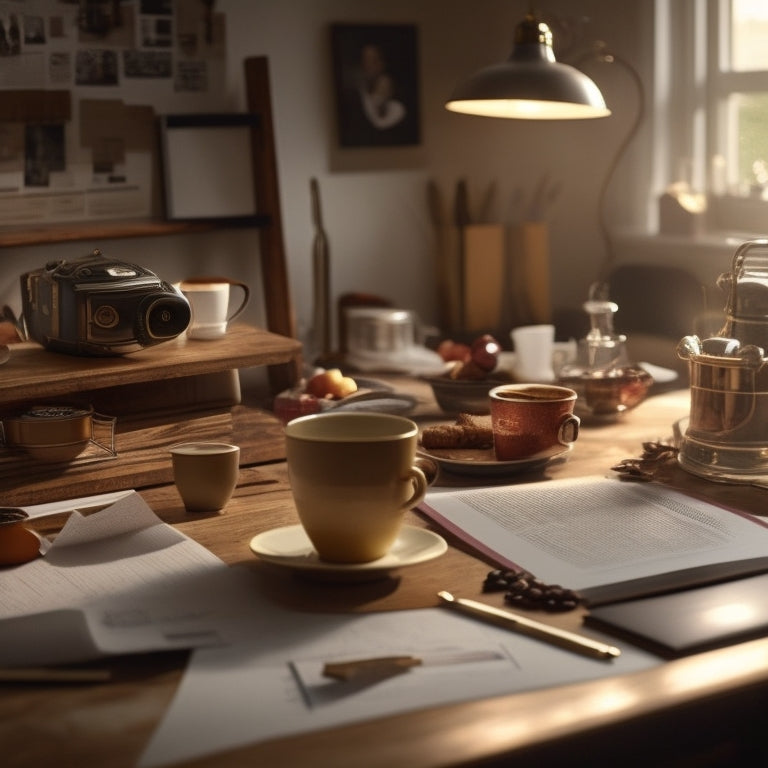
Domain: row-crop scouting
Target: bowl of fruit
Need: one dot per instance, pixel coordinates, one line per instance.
(326, 389)
(471, 372)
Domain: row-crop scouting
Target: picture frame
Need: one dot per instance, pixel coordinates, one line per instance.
(377, 85)
(208, 166)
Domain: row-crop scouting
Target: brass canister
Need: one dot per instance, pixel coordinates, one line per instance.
(727, 434)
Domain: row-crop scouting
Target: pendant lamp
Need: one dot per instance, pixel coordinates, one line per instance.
(531, 84)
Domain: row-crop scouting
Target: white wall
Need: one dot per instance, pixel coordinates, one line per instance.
(377, 222)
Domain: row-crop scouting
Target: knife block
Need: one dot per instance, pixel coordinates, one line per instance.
(529, 255)
(471, 277)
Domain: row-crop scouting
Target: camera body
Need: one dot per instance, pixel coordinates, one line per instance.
(96, 306)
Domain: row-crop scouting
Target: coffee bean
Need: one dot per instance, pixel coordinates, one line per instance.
(523, 590)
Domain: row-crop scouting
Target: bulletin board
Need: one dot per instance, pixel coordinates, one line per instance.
(82, 88)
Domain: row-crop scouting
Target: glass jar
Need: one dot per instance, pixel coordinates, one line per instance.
(606, 382)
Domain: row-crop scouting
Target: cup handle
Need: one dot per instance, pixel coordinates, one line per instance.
(244, 303)
(237, 283)
(419, 482)
(428, 466)
(568, 430)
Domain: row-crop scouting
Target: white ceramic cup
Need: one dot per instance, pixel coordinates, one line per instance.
(533, 345)
(209, 300)
(205, 474)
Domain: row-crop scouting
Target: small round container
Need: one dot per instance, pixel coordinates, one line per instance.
(50, 433)
(379, 330)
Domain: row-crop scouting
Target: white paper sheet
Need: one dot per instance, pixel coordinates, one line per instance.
(594, 531)
(117, 581)
(269, 683)
(82, 504)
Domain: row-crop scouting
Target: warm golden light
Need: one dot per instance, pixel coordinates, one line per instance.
(531, 84)
(527, 109)
(729, 615)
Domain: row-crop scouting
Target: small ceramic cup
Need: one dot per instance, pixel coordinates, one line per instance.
(531, 420)
(209, 299)
(534, 345)
(353, 476)
(205, 474)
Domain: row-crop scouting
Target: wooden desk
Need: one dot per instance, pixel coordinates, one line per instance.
(704, 710)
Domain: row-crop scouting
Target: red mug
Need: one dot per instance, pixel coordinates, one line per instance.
(532, 420)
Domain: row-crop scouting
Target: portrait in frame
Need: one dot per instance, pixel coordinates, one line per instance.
(376, 79)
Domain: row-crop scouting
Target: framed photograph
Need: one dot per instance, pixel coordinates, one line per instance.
(208, 165)
(376, 77)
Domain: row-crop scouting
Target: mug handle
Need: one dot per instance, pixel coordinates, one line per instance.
(243, 303)
(237, 283)
(428, 466)
(419, 482)
(568, 430)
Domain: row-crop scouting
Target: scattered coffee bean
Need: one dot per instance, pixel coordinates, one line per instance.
(523, 590)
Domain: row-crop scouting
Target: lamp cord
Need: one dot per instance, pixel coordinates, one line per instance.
(601, 54)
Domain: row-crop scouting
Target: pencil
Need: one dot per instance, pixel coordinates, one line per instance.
(560, 637)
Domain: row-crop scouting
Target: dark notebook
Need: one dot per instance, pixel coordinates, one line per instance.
(689, 621)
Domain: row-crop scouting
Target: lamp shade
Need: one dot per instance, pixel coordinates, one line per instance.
(531, 84)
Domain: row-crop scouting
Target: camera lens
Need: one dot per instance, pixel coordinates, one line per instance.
(165, 317)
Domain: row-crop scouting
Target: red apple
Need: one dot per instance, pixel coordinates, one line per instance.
(450, 350)
(485, 352)
(467, 371)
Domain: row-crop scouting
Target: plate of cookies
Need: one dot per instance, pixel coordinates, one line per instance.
(465, 447)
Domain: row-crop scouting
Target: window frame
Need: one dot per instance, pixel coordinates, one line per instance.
(692, 85)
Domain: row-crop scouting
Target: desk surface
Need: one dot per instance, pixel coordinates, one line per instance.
(108, 724)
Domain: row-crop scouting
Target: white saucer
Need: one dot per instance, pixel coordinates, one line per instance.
(290, 547)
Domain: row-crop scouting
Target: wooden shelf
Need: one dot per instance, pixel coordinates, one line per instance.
(41, 375)
(142, 456)
(33, 373)
(47, 234)
(148, 425)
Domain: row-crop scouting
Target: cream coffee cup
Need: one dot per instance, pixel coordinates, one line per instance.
(353, 478)
(205, 474)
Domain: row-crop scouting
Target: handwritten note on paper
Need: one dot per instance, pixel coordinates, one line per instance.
(589, 532)
(117, 581)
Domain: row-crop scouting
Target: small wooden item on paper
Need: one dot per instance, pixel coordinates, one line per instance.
(380, 667)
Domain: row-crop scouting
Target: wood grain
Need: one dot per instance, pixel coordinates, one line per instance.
(33, 373)
(142, 456)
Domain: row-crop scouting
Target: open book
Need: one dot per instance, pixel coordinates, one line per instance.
(608, 539)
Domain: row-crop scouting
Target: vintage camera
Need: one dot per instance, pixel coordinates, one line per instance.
(100, 307)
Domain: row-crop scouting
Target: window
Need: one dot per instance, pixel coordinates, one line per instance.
(714, 55)
(739, 95)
